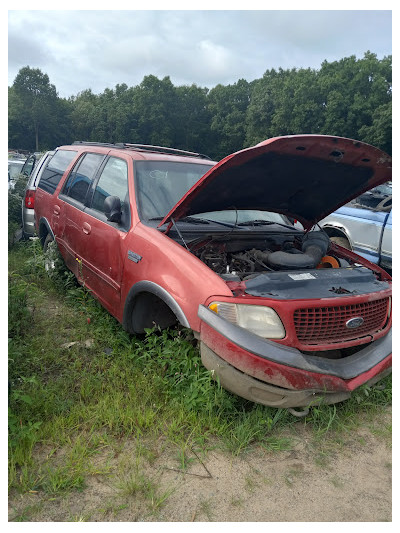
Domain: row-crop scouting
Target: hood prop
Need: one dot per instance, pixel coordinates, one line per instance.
(179, 233)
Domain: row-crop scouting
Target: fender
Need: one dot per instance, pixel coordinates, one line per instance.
(160, 292)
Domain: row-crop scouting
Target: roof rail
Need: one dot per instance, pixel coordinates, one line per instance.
(93, 143)
(145, 147)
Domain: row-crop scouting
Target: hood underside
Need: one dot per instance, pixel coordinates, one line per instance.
(306, 177)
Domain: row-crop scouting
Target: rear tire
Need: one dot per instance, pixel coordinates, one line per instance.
(341, 241)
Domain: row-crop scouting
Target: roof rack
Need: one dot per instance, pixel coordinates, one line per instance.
(145, 147)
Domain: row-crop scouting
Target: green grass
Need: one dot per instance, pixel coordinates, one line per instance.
(81, 400)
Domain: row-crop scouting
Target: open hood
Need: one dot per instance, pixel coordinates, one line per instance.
(305, 177)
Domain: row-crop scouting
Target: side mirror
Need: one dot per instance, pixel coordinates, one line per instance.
(112, 209)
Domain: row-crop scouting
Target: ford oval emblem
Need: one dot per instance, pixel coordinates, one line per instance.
(354, 322)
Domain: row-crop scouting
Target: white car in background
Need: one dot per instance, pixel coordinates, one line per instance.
(14, 170)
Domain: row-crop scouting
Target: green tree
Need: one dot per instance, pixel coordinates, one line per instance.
(228, 106)
(84, 116)
(20, 128)
(353, 90)
(379, 133)
(193, 120)
(298, 107)
(350, 97)
(155, 111)
(35, 98)
(264, 102)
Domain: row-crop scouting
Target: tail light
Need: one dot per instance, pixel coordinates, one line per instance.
(30, 199)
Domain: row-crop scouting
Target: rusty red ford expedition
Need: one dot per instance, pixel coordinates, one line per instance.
(160, 236)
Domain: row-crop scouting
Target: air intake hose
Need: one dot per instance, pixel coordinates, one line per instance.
(314, 247)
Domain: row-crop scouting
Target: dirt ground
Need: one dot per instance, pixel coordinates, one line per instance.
(344, 481)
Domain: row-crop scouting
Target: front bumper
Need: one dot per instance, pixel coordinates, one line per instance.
(273, 374)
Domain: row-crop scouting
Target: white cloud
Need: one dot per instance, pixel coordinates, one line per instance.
(98, 49)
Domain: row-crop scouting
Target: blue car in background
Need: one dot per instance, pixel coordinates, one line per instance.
(365, 225)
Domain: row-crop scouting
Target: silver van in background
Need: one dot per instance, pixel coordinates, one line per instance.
(28, 202)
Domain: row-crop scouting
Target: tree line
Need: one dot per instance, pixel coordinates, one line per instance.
(350, 97)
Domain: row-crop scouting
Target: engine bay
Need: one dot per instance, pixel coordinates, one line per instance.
(239, 259)
(287, 266)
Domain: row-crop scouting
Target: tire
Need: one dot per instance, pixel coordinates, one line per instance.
(341, 241)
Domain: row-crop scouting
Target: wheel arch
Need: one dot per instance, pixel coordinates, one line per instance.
(44, 230)
(337, 231)
(141, 297)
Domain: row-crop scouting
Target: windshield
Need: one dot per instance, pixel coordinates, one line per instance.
(161, 184)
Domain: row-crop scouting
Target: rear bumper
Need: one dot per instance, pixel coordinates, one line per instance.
(273, 374)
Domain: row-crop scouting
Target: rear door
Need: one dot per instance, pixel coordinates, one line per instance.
(73, 200)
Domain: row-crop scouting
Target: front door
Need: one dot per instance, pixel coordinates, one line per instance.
(101, 243)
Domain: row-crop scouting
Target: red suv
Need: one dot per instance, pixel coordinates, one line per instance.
(233, 251)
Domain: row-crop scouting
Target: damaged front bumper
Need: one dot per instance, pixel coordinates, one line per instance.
(273, 374)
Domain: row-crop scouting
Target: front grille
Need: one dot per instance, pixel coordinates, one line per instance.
(327, 325)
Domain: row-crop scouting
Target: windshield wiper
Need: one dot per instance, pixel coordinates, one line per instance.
(192, 220)
(197, 220)
(264, 223)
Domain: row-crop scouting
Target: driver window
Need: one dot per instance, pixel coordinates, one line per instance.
(113, 181)
(82, 177)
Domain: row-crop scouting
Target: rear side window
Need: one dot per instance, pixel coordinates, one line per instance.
(55, 169)
(82, 176)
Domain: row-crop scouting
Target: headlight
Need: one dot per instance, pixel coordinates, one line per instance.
(262, 321)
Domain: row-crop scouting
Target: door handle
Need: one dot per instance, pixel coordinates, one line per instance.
(56, 210)
(86, 228)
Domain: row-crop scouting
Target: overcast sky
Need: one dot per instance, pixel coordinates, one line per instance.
(99, 49)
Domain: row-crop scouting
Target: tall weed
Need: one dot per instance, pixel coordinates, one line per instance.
(18, 312)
